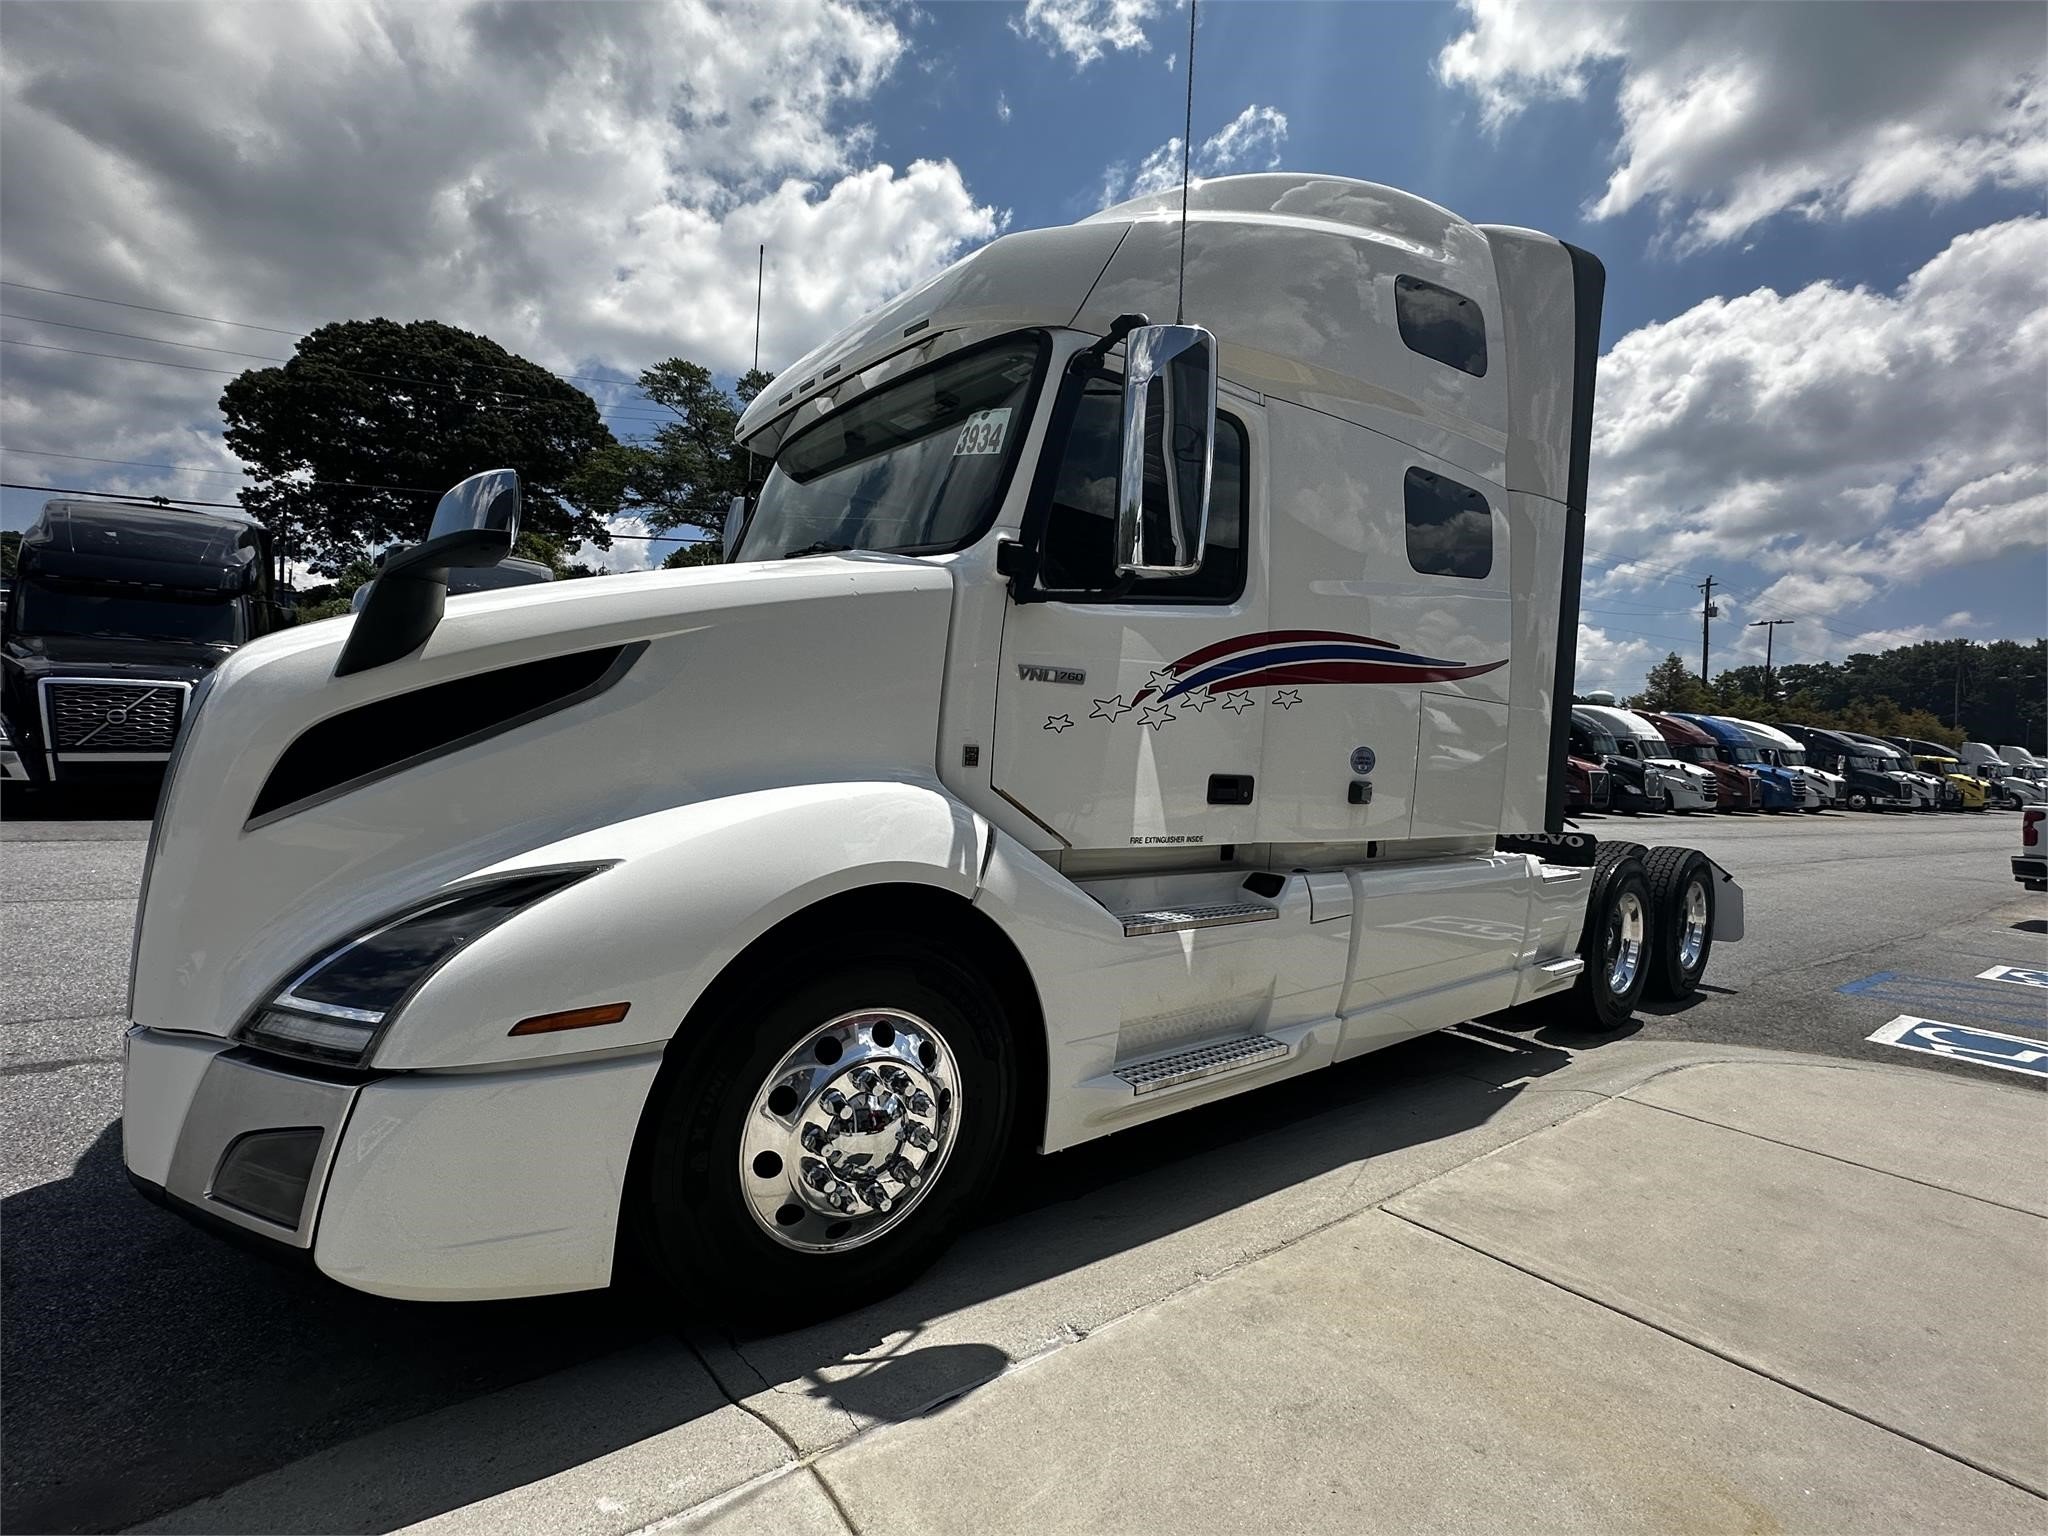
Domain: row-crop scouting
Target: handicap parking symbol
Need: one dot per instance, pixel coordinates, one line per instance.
(1959, 1042)
(2020, 975)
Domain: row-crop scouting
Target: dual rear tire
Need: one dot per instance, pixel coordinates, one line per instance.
(1648, 931)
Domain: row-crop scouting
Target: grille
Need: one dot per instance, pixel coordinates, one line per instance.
(114, 717)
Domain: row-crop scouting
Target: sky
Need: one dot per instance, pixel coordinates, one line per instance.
(1824, 377)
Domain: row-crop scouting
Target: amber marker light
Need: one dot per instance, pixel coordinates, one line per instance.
(571, 1018)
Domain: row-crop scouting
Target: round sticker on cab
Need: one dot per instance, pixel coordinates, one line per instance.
(1362, 760)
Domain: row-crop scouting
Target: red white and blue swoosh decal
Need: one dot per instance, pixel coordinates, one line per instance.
(1292, 657)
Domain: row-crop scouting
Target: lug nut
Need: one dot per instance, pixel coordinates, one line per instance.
(814, 1138)
(921, 1103)
(864, 1079)
(832, 1099)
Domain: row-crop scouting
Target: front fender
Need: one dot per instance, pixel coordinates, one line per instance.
(688, 889)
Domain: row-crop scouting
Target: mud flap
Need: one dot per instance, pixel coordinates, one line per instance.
(1727, 906)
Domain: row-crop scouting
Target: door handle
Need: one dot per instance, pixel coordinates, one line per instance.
(1230, 789)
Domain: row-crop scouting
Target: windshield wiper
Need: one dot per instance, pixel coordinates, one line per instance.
(819, 548)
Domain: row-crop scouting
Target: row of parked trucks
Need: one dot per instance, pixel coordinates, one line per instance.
(1635, 761)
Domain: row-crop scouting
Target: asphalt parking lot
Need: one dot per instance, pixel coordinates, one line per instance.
(148, 1365)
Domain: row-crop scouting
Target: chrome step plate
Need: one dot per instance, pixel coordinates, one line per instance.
(1157, 1072)
(1180, 919)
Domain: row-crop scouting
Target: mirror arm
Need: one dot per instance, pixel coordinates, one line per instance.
(405, 605)
(1094, 357)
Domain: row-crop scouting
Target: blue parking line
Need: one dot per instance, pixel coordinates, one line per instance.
(1988, 1001)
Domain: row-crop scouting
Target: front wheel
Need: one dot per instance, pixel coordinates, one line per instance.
(820, 1145)
(1858, 801)
(2014, 803)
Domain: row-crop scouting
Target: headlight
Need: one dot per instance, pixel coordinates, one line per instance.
(335, 1008)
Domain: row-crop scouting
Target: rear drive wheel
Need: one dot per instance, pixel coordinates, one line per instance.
(1615, 946)
(1682, 926)
(821, 1149)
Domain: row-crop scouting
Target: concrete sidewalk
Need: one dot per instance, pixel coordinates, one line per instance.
(1651, 1287)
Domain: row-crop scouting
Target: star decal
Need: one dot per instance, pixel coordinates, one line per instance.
(1237, 703)
(1155, 716)
(1287, 698)
(1109, 709)
(1196, 699)
(1160, 680)
(1057, 723)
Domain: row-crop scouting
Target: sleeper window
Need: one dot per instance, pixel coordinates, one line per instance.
(1441, 324)
(1450, 527)
(1080, 528)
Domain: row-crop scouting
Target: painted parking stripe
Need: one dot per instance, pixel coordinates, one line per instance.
(1958, 1042)
(2019, 975)
(1987, 1002)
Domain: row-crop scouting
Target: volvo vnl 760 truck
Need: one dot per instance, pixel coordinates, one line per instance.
(1099, 717)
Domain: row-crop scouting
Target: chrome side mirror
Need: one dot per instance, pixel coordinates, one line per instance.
(1169, 450)
(487, 503)
(735, 525)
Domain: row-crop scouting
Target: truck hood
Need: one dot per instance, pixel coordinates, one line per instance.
(717, 680)
(111, 656)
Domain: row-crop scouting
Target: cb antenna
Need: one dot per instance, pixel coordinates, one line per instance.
(1187, 148)
(760, 280)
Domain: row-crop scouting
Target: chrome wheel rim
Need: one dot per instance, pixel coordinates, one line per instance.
(1624, 943)
(850, 1130)
(1693, 940)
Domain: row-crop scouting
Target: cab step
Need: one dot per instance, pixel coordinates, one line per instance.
(1181, 919)
(1238, 1054)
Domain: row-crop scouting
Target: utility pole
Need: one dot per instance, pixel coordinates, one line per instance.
(760, 279)
(1708, 613)
(1770, 629)
(1955, 714)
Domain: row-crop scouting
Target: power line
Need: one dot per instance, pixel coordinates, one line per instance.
(194, 469)
(194, 346)
(576, 378)
(147, 308)
(446, 386)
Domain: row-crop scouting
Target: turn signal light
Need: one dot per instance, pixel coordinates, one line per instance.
(571, 1018)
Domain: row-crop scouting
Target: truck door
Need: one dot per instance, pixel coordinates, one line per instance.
(1100, 735)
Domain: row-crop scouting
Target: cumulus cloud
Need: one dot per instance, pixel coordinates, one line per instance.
(585, 184)
(1086, 29)
(1248, 142)
(1843, 438)
(1731, 114)
(1615, 661)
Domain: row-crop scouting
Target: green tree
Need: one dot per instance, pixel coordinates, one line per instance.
(10, 551)
(683, 480)
(1670, 686)
(353, 440)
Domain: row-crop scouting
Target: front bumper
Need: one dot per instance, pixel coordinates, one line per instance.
(425, 1185)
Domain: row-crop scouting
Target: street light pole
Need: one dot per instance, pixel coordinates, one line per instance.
(1770, 629)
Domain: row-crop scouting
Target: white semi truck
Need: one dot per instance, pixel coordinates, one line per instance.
(1097, 719)
(1685, 786)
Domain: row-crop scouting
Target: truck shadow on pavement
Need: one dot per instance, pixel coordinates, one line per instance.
(150, 1365)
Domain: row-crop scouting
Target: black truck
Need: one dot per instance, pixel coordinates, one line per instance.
(116, 612)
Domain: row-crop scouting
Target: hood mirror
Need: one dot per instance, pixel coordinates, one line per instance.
(474, 524)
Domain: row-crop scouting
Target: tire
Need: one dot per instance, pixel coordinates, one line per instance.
(1681, 920)
(721, 1226)
(2014, 803)
(1858, 801)
(1605, 853)
(1620, 885)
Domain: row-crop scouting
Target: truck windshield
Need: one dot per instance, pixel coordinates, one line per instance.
(1690, 752)
(1791, 759)
(1600, 743)
(1743, 755)
(915, 468)
(53, 610)
(1869, 764)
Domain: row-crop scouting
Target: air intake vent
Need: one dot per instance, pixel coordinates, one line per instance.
(373, 741)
